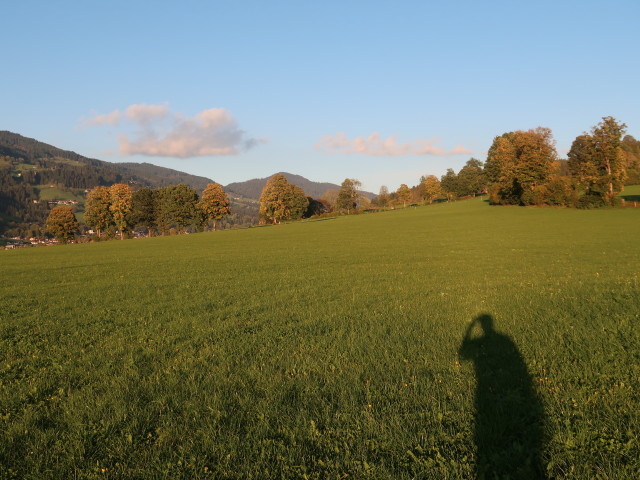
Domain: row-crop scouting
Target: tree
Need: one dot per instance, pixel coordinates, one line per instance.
(418, 193)
(348, 195)
(449, 184)
(471, 179)
(403, 194)
(330, 197)
(432, 188)
(518, 162)
(175, 205)
(62, 223)
(597, 159)
(297, 203)
(97, 213)
(631, 151)
(281, 200)
(143, 209)
(214, 203)
(383, 196)
(316, 207)
(120, 195)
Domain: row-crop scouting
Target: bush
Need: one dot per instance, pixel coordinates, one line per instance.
(615, 201)
(535, 196)
(590, 201)
(494, 195)
(560, 192)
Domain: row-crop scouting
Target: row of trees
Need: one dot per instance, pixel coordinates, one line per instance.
(469, 181)
(281, 200)
(160, 209)
(522, 168)
(119, 208)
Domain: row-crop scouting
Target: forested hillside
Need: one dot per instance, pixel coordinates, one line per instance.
(161, 176)
(35, 175)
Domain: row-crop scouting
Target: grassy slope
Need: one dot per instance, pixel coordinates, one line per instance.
(319, 348)
(54, 193)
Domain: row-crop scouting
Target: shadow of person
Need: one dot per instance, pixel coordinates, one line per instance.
(509, 415)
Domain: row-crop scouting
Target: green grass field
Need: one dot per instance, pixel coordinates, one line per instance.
(330, 349)
(55, 193)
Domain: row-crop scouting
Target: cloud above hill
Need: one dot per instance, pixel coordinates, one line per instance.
(374, 144)
(159, 132)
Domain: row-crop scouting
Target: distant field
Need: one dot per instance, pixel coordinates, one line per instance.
(631, 193)
(54, 193)
(330, 349)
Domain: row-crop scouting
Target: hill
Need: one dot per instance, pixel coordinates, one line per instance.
(33, 173)
(156, 176)
(330, 349)
(33, 152)
(253, 188)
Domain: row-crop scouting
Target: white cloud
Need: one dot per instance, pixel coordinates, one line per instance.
(374, 144)
(459, 149)
(146, 114)
(163, 133)
(112, 118)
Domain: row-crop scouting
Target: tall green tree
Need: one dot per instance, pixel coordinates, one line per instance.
(281, 200)
(175, 206)
(143, 209)
(449, 184)
(214, 203)
(62, 223)
(97, 211)
(120, 195)
(471, 178)
(518, 162)
(597, 159)
(348, 195)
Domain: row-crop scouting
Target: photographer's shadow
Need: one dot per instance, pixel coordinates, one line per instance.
(509, 416)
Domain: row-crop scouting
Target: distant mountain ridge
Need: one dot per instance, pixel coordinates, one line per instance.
(253, 188)
(16, 146)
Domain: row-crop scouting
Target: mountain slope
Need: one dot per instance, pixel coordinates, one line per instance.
(35, 175)
(253, 188)
(43, 157)
(161, 176)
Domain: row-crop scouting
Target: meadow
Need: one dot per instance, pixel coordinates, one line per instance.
(330, 349)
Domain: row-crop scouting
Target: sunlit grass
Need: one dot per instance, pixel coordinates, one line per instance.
(320, 348)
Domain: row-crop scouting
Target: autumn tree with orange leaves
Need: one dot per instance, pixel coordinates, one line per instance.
(97, 212)
(120, 195)
(518, 163)
(214, 203)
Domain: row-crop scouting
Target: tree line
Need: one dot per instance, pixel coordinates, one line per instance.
(281, 200)
(165, 210)
(175, 208)
(523, 168)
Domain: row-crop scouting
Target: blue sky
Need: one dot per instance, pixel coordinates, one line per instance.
(380, 91)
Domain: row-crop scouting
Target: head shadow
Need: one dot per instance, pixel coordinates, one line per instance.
(509, 417)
